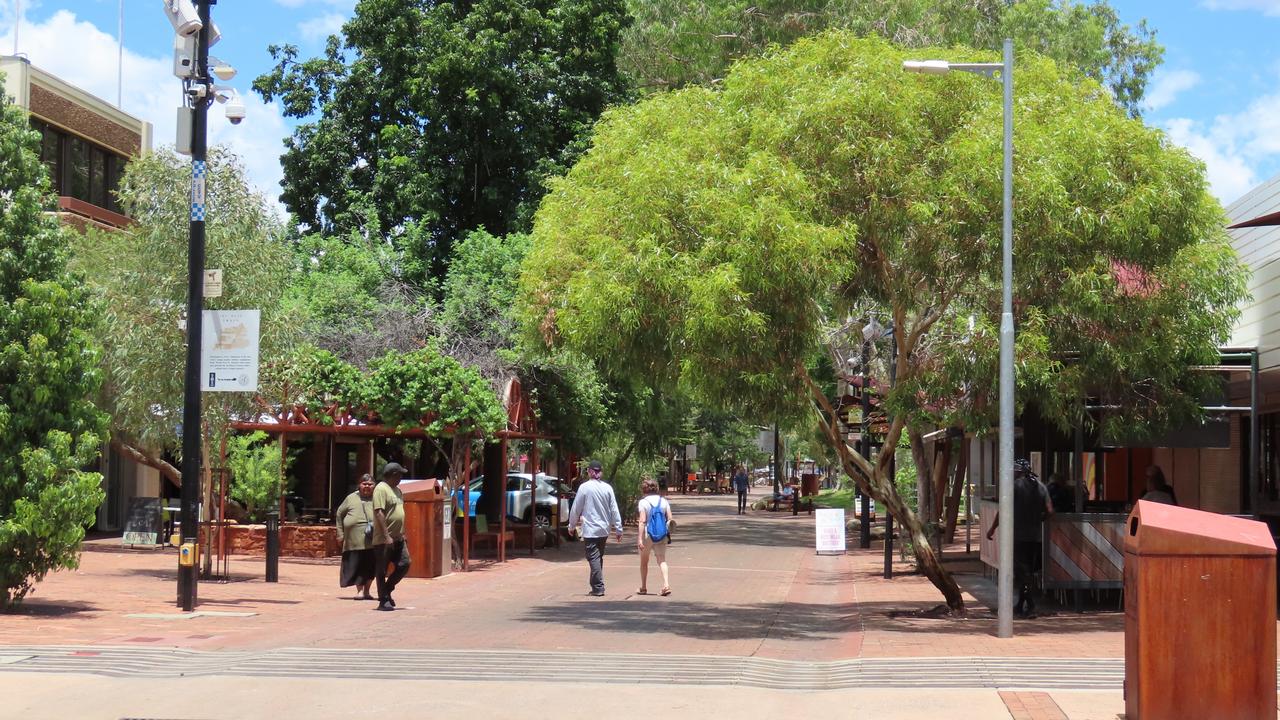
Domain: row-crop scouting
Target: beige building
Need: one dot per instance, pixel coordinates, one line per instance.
(86, 143)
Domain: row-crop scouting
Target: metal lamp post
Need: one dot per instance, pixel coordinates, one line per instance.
(1005, 540)
(191, 22)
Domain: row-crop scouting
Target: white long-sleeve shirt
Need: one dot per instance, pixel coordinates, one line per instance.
(597, 506)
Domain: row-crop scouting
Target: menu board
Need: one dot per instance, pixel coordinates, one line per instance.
(142, 525)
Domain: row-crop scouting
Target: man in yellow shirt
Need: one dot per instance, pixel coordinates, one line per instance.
(388, 534)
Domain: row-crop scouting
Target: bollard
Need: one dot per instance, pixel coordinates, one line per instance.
(273, 546)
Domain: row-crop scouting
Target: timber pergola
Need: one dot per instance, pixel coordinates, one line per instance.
(333, 421)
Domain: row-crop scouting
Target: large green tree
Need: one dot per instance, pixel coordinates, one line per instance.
(674, 43)
(436, 118)
(49, 430)
(718, 241)
(140, 275)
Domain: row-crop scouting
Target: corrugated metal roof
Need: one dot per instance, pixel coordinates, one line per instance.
(1256, 245)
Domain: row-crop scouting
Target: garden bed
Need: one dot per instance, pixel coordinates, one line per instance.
(313, 541)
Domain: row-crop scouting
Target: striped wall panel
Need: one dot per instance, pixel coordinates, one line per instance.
(1084, 552)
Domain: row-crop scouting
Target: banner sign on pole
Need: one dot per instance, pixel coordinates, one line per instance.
(229, 356)
(828, 526)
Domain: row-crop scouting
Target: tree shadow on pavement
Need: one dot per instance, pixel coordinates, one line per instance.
(704, 621)
(914, 617)
(38, 608)
(769, 532)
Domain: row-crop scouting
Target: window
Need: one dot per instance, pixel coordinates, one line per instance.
(79, 168)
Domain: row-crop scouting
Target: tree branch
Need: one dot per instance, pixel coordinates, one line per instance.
(143, 458)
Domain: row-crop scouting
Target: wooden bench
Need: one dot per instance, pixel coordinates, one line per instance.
(804, 501)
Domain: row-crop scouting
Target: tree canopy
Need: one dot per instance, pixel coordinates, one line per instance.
(434, 119)
(674, 43)
(49, 429)
(717, 240)
(140, 275)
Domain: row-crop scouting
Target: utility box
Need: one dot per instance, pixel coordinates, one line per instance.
(1199, 615)
(426, 530)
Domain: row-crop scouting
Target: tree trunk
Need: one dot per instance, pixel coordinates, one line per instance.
(958, 479)
(617, 465)
(874, 480)
(923, 458)
(941, 471)
(143, 458)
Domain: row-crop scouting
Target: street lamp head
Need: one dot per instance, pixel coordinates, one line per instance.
(221, 70)
(928, 67)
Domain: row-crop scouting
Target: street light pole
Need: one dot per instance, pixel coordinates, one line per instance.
(191, 428)
(1004, 607)
(1004, 611)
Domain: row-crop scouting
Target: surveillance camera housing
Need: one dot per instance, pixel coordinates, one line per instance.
(183, 17)
(184, 54)
(235, 110)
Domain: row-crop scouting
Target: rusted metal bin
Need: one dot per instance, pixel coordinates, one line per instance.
(1199, 615)
(425, 530)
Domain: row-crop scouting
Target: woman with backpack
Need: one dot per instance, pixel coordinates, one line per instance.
(655, 534)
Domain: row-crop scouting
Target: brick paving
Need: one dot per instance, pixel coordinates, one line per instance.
(1031, 706)
(748, 586)
(742, 586)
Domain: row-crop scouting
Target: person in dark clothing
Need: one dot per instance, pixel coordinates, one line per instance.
(741, 483)
(1158, 489)
(1031, 506)
(1062, 495)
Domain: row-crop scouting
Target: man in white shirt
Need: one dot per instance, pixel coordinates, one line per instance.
(597, 508)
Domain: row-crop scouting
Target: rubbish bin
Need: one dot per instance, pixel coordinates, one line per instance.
(425, 531)
(1199, 615)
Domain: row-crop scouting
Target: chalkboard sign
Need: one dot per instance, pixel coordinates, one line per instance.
(143, 524)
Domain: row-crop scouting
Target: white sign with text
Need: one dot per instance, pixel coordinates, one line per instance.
(828, 524)
(229, 357)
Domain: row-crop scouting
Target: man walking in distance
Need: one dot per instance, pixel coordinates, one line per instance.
(1031, 506)
(597, 507)
(741, 482)
(388, 534)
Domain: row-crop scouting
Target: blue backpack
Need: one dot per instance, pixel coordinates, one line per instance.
(656, 525)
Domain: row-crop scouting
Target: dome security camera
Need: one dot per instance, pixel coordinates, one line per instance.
(183, 16)
(235, 110)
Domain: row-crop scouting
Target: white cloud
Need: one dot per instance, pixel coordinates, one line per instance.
(1167, 86)
(79, 53)
(1268, 7)
(319, 28)
(1234, 147)
(1229, 171)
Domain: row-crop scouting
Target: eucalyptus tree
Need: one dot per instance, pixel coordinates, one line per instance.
(673, 43)
(49, 430)
(140, 275)
(712, 240)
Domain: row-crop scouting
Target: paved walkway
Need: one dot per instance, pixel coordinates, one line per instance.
(753, 609)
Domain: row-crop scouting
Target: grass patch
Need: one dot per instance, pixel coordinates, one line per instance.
(838, 498)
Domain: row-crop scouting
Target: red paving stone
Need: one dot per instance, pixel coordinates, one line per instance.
(742, 586)
(1032, 706)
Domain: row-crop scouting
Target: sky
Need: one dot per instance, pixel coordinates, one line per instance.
(1217, 93)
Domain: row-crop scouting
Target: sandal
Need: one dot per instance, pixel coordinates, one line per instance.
(642, 591)
(665, 592)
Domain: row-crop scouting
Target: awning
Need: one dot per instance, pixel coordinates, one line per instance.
(1261, 221)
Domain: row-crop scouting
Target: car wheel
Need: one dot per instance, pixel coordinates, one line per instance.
(543, 520)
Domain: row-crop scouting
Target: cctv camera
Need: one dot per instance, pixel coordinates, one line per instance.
(183, 16)
(184, 53)
(235, 110)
